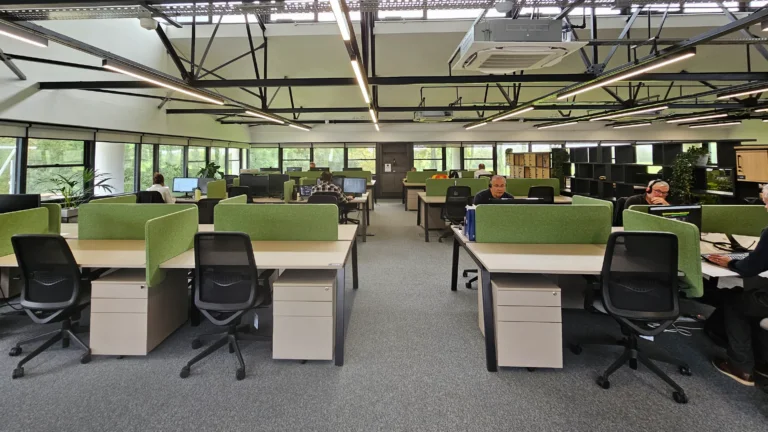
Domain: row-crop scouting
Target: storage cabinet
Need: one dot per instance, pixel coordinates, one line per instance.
(412, 199)
(528, 165)
(304, 315)
(752, 163)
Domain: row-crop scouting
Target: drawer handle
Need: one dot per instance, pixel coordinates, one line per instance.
(554, 293)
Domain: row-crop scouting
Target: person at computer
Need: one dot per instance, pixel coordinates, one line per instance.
(655, 194)
(326, 185)
(312, 165)
(413, 169)
(158, 185)
(481, 171)
(742, 310)
(497, 189)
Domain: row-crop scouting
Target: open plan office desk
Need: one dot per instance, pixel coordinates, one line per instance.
(409, 189)
(437, 202)
(71, 230)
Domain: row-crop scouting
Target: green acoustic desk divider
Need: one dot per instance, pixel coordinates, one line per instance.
(476, 185)
(542, 224)
(166, 237)
(438, 187)
(279, 222)
(54, 218)
(307, 181)
(470, 174)
(308, 174)
(688, 248)
(120, 199)
(32, 221)
(288, 190)
(120, 221)
(217, 189)
(420, 176)
(240, 199)
(519, 187)
(582, 200)
(747, 220)
(236, 181)
(639, 208)
(355, 174)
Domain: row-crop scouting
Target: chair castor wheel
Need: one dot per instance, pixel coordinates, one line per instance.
(633, 364)
(15, 351)
(531, 369)
(184, 372)
(685, 371)
(680, 398)
(85, 358)
(231, 348)
(18, 373)
(576, 349)
(240, 374)
(196, 343)
(65, 343)
(603, 382)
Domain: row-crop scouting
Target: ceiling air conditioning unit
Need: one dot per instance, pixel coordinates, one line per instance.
(505, 45)
(432, 116)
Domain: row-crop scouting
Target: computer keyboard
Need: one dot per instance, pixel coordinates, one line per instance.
(735, 256)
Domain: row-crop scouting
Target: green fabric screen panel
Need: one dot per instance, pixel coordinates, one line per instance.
(236, 181)
(640, 208)
(288, 190)
(121, 221)
(307, 174)
(279, 222)
(421, 176)
(747, 220)
(542, 224)
(688, 248)
(120, 199)
(54, 218)
(166, 237)
(582, 200)
(32, 221)
(240, 199)
(519, 187)
(438, 187)
(355, 174)
(476, 185)
(304, 181)
(217, 189)
(471, 173)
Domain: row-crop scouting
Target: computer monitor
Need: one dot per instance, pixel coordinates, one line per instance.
(292, 169)
(320, 169)
(516, 201)
(184, 184)
(431, 169)
(688, 213)
(259, 184)
(276, 183)
(355, 186)
(353, 169)
(202, 184)
(305, 191)
(269, 169)
(17, 202)
(339, 182)
(230, 179)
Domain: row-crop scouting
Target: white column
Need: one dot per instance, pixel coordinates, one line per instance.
(110, 161)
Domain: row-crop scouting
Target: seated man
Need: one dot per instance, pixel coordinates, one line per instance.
(655, 194)
(743, 311)
(496, 189)
(327, 185)
(481, 171)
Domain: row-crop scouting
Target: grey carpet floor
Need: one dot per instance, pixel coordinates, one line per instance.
(414, 361)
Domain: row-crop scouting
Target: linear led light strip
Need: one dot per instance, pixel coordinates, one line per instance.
(554, 125)
(629, 74)
(341, 19)
(300, 127)
(126, 71)
(360, 81)
(762, 109)
(476, 126)
(512, 114)
(373, 117)
(732, 123)
(631, 125)
(695, 118)
(21, 35)
(743, 93)
(272, 119)
(628, 113)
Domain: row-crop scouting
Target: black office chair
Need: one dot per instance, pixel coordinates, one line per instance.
(455, 207)
(241, 190)
(320, 198)
(54, 291)
(149, 197)
(639, 287)
(205, 210)
(546, 193)
(488, 176)
(618, 214)
(344, 209)
(226, 287)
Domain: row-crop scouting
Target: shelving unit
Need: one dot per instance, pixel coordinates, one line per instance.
(529, 165)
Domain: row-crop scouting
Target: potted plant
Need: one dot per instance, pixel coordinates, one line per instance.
(682, 173)
(560, 158)
(211, 170)
(75, 189)
(700, 155)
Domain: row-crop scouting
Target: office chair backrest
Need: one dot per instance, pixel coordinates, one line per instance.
(205, 210)
(485, 176)
(241, 190)
(618, 215)
(455, 207)
(639, 276)
(50, 273)
(149, 197)
(764, 323)
(547, 193)
(226, 278)
(323, 198)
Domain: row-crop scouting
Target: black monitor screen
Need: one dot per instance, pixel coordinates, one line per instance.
(259, 184)
(320, 169)
(18, 202)
(292, 169)
(230, 179)
(202, 183)
(516, 201)
(339, 182)
(354, 185)
(184, 184)
(354, 169)
(269, 169)
(690, 214)
(276, 183)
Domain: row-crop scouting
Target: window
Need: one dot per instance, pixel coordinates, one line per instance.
(644, 154)
(332, 157)
(544, 148)
(145, 165)
(475, 155)
(261, 157)
(362, 157)
(502, 149)
(453, 158)
(233, 161)
(219, 157)
(294, 157)
(169, 162)
(115, 161)
(48, 159)
(7, 165)
(427, 158)
(195, 160)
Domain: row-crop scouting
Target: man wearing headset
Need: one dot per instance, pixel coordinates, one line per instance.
(497, 189)
(655, 194)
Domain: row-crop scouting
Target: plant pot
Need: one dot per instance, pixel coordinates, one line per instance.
(67, 213)
(701, 160)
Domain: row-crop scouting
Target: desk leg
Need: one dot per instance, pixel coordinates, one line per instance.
(367, 215)
(418, 211)
(405, 195)
(455, 264)
(194, 312)
(339, 354)
(354, 264)
(426, 222)
(488, 318)
(364, 223)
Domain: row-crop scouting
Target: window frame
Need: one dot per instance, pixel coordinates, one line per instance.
(441, 166)
(374, 159)
(87, 162)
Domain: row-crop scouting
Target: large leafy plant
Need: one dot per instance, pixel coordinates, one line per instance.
(211, 170)
(682, 174)
(75, 189)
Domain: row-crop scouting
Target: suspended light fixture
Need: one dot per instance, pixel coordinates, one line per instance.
(300, 127)
(631, 125)
(554, 125)
(624, 113)
(708, 125)
(360, 81)
(341, 19)
(475, 126)
(22, 35)
(265, 117)
(513, 113)
(742, 92)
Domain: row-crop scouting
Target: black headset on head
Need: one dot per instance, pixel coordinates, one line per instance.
(652, 184)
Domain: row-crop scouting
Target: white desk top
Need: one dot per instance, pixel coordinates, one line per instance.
(539, 258)
(71, 230)
(407, 184)
(559, 199)
(358, 200)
